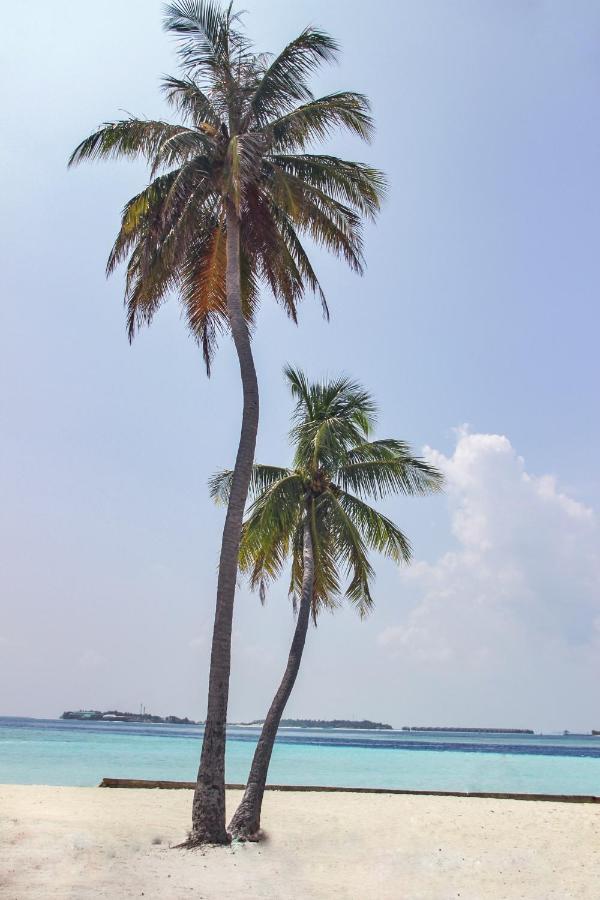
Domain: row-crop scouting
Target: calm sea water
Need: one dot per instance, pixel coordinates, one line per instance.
(44, 751)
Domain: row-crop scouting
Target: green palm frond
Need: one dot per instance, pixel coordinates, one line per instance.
(348, 182)
(326, 584)
(159, 252)
(298, 254)
(219, 486)
(329, 418)
(327, 587)
(183, 148)
(383, 448)
(269, 530)
(330, 224)
(335, 468)
(383, 471)
(192, 103)
(142, 209)
(285, 81)
(300, 389)
(352, 551)
(272, 520)
(317, 119)
(378, 532)
(274, 510)
(167, 215)
(262, 478)
(204, 32)
(135, 137)
(339, 397)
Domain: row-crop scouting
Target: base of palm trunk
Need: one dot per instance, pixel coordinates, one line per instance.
(204, 839)
(208, 817)
(245, 825)
(248, 833)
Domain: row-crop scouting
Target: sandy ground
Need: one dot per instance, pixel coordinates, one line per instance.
(79, 843)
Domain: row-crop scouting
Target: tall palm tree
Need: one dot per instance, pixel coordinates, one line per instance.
(315, 515)
(233, 191)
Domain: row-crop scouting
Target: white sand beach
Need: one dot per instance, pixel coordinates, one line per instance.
(80, 843)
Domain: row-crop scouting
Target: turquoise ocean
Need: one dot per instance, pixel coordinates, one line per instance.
(45, 751)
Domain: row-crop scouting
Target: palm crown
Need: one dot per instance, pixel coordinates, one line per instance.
(247, 122)
(335, 467)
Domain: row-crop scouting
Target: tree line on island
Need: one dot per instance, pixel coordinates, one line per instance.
(96, 715)
(360, 725)
(112, 715)
(456, 729)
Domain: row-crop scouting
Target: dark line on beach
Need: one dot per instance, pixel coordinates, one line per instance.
(493, 795)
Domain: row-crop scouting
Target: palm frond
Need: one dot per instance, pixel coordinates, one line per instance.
(328, 419)
(156, 231)
(358, 185)
(192, 103)
(379, 532)
(326, 580)
(329, 223)
(385, 467)
(299, 388)
(285, 81)
(269, 530)
(276, 252)
(275, 508)
(185, 148)
(145, 207)
(191, 188)
(136, 137)
(352, 551)
(298, 254)
(148, 282)
(242, 165)
(202, 28)
(317, 119)
(263, 554)
(262, 478)
(202, 291)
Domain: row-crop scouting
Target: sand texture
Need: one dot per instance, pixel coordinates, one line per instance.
(80, 843)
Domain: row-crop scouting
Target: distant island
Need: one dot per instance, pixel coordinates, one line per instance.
(470, 730)
(363, 724)
(114, 715)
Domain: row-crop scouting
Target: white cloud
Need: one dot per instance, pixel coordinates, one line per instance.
(521, 590)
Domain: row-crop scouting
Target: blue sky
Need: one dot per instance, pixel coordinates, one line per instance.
(479, 306)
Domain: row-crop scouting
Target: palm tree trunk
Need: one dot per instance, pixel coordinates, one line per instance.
(208, 811)
(246, 821)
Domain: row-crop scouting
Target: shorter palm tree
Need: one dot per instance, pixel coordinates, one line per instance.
(314, 515)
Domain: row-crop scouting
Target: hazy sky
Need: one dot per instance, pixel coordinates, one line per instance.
(476, 327)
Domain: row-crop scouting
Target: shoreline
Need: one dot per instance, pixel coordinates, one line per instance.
(65, 842)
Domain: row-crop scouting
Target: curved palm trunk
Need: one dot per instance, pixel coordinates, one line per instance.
(246, 821)
(208, 811)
